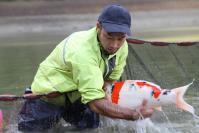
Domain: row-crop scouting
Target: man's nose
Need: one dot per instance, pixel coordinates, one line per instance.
(114, 44)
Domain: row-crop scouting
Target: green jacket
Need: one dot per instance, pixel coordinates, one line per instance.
(79, 67)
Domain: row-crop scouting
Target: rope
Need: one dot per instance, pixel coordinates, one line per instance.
(156, 43)
(31, 96)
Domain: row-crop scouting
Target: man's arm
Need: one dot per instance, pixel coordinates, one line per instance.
(106, 108)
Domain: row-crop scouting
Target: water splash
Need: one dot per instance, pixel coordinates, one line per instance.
(159, 123)
(146, 126)
(139, 126)
(168, 122)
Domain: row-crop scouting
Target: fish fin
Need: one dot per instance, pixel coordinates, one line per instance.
(159, 108)
(180, 103)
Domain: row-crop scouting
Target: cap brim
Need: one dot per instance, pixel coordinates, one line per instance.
(110, 27)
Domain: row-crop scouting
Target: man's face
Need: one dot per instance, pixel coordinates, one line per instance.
(110, 42)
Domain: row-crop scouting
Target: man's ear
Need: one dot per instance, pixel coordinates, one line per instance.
(98, 26)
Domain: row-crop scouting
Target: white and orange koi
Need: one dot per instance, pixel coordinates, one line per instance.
(131, 93)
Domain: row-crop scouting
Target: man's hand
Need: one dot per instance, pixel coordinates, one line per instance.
(143, 111)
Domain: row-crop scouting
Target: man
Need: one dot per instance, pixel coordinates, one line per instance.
(80, 67)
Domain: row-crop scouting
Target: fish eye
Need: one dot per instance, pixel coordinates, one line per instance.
(166, 92)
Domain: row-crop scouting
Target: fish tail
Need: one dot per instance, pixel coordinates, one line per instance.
(1, 121)
(180, 103)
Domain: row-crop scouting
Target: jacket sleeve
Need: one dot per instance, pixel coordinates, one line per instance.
(88, 77)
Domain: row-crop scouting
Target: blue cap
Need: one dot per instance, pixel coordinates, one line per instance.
(115, 18)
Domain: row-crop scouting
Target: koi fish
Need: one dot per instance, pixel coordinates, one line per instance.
(131, 93)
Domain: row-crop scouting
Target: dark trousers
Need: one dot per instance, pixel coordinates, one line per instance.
(38, 115)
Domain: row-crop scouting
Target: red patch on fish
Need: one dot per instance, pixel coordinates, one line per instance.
(156, 90)
(116, 91)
